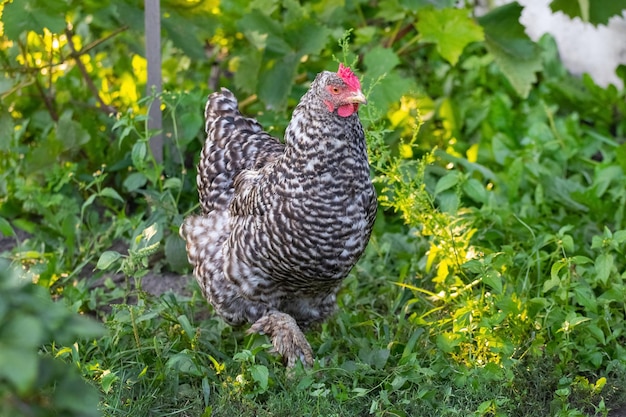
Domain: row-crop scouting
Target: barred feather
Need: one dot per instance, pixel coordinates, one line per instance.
(281, 224)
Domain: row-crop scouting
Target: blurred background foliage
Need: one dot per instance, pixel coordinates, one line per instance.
(499, 248)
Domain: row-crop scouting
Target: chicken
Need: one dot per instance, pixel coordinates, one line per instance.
(282, 224)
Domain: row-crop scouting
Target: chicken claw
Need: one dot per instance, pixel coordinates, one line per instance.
(286, 336)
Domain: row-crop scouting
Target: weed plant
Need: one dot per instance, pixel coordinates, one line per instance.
(493, 284)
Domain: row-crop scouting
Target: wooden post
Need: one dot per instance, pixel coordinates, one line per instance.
(152, 20)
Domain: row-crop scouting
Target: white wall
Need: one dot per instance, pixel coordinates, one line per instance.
(583, 47)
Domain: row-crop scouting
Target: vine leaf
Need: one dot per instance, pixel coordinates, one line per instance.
(23, 16)
(450, 29)
(516, 54)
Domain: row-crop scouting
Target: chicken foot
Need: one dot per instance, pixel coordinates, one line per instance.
(286, 336)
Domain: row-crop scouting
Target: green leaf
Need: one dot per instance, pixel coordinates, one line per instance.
(411, 5)
(23, 331)
(380, 61)
(173, 183)
(176, 253)
(450, 29)
(7, 127)
(5, 227)
(448, 341)
(183, 363)
(70, 133)
(603, 267)
(447, 181)
(260, 374)
(619, 236)
(389, 90)
(23, 16)
(620, 155)
(475, 190)
(596, 12)
(18, 365)
(107, 258)
(516, 54)
(111, 193)
(107, 380)
(494, 280)
(247, 68)
(186, 325)
(138, 154)
(135, 181)
(87, 203)
(276, 80)
(257, 24)
(183, 35)
(308, 37)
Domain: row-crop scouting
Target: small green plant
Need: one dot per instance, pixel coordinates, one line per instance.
(32, 381)
(493, 284)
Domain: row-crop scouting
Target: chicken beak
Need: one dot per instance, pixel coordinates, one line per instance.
(358, 97)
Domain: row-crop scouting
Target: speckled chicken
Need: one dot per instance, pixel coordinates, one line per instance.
(282, 224)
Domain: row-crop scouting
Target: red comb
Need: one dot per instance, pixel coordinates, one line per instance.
(348, 77)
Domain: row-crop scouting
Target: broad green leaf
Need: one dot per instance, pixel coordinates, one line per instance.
(107, 258)
(276, 80)
(111, 193)
(568, 243)
(516, 54)
(494, 280)
(80, 326)
(585, 297)
(573, 320)
(377, 358)
(183, 363)
(107, 380)
(173, 183)
(447, 181)
(176, 253)
(390, 90)
(265, 6)
(21, 16)
(380, 61)
(475, 190)
(619, 236)
(261, 24)
(135, 181)
(138, 154)
(5, 227)
(596, 12)
(450, 29)
(605, 176)
(70, 133)
(260, 374)
(448, 341)
(24, 331)
(603, 267)
(184, 36)
(246, 68)
(18, 366)
(308, 37)
(449, 201)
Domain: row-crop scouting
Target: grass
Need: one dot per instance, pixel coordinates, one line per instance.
(493, 284)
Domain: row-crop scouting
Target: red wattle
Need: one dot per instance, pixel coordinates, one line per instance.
(346, 110)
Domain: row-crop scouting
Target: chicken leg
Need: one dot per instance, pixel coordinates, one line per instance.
(286, 336)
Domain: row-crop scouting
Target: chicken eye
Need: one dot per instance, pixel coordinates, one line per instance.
(334, 90)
